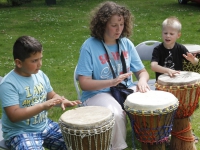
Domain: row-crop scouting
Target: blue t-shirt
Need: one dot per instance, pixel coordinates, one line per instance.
(25, 92)
(93, 62)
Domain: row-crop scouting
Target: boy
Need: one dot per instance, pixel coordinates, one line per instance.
(168, 56)
(26, 95)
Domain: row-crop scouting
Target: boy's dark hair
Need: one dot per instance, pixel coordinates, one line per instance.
(102, 14)
(24, 46)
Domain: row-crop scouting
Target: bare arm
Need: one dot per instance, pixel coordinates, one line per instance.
(143, 78)
(89, 84)
(65, 102)
(190, 57)
(157, 68)
(15, 113)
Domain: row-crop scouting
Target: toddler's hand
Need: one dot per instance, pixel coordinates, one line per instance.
(172, 72)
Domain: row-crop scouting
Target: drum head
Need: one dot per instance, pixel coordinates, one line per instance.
(184, 78)
(88, 117)
(150, 101)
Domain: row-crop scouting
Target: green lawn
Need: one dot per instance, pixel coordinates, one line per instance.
(62, 28)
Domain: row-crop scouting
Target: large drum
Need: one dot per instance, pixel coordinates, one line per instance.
(194, 49)
(186, 87)
(87, 128)
(152, 114)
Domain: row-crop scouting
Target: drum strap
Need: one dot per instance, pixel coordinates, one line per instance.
(112, 59)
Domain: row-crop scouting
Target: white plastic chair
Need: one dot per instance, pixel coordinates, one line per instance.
(2, 142)
(76, 84)
(145, 50)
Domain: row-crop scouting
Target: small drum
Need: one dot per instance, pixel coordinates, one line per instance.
(87, 128)
(186, 87)
(152, 114)
(187, 66)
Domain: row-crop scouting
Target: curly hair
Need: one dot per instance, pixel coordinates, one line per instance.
(103, 13)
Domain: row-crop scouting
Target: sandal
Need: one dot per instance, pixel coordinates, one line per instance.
(196, 139)
(167, 143)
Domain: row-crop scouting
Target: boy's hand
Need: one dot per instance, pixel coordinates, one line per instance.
(172, 72)
(190, 57)
(52, 102)
(66, 103)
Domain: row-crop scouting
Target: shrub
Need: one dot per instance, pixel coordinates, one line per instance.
(17, 2)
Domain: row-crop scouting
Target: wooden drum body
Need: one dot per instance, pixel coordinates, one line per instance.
(87, 128)
(152, 114)
(186, 87)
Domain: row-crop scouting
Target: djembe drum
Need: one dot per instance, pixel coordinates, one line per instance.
(188, 66)
(186, 87)
(152, 114)
(87, 128)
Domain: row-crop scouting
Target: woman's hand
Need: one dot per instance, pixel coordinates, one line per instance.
(89, 84)
(142, 87)
(121, 78)
(143, 77)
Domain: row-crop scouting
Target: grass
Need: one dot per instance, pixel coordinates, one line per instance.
(62, 28)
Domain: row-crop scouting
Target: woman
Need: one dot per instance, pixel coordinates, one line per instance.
(111, 24)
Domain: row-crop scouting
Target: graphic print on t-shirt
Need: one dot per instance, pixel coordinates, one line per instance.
(169, 61)
(38, 96)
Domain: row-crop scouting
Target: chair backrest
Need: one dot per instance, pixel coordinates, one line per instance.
(76, 84)
(2, 141)
(145, 49)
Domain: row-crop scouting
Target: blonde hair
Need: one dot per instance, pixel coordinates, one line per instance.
(172, 22)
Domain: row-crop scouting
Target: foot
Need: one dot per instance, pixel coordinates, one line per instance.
(196, 139)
